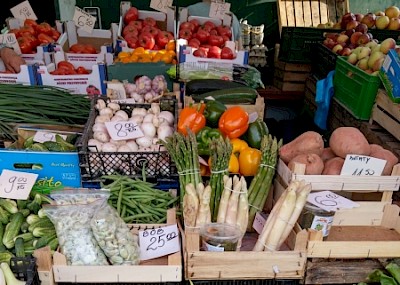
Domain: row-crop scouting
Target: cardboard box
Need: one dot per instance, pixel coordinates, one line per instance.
(165, 21)
(27, 75)
(389, 75)
(186, 55)
(92, 84)
(102, 40)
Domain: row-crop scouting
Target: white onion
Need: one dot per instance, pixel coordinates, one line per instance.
(100, 104)
(109, 147)
(114, 106)
(124, 148)
(101, 136)
(139, 111)
(106, 112)
(164, 131)
(122, 114)
(138, 119)
(132, 145)
(99, 127)
(148, 129)
(168, 116)
(144, 142)
(94, 145)
(102, 119)
(148, 118)
(155, 108)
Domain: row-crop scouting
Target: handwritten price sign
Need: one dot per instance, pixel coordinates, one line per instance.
(46, 137)
(361, 165)
(219, 9)
(161, 5)
(123, 130)
(11, 41)
(84, 20)
(158, 242)
(15, 184)
(23, 11)
(330, 201)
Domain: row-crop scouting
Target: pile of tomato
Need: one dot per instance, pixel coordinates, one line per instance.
(33, 34)
(67, 68)
(82, 48)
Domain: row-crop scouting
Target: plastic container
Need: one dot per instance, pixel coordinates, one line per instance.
(355, 89)
(219, 237)
(317, 219)
(325, 61)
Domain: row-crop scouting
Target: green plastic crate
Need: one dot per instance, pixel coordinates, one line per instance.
(297, 43)
(355, 89)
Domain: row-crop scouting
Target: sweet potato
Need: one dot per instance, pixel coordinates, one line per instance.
(391, 159)
(327, 154)
(308, 142)
(313, 162)
(348, 140)
(375, 147)
(333, 166)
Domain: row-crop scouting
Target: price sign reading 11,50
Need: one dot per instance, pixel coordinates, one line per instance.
(123, 130)
(16, 184)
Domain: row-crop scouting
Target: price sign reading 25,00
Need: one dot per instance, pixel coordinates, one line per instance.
(158, 242)
(124, 130)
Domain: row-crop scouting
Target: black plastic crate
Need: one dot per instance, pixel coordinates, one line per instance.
(381, 35)
(245, 282)
(297, 43)
(325, 61)
(158, 164)
(25, 269)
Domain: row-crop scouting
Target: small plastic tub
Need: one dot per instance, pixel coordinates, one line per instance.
(317, 219)
(220, 237)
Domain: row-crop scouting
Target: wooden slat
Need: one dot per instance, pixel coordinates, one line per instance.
(368, 214)
(323, 9)
(298, 11)
(353, 249)
(282, 17)
(388, 105)
(290, 13)
(332, 11)
(288, 86)
(307, 13)
(315, 14)
(390, 216)
(291, 76)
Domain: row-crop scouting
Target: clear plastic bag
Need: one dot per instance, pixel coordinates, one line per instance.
(74, 233)
(69, 196)
(114, 237)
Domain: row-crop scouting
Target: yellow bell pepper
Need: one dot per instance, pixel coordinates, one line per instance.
(249, 161)
(233, 164)
(238, 145)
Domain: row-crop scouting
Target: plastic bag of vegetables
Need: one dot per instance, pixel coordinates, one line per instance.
(75, 236)
(113, 236)
(78, 196)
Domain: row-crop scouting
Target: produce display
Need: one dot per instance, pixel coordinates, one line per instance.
(167, 55)
(67, 68)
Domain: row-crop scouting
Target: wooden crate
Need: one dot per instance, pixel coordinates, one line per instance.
(291, 76)
(310, 13)
(309, 94)
(386, 113)
(163, 269)
(244, 265)
(258, 107)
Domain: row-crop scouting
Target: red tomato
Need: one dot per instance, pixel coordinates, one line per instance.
(32, 39)
(149, 21)
(202, 36)
(187, 25)
(131, 15)
(65, 65)
(82, 70)
(27, 30)
(214, 52)
(150, 29)
(25, 45)
(195, 23)
(89, 49)
(45, 39)
(185, 34)
(130, 29)
(227, 53)
(200, 53)
(138, 24)
(77, 48)
(132, 41)
(163, 37)
(30, 22)
(215, 40)
(44, 28)
(146, 40)
(55, 34)
(213, 32)
(204, 28)
(209, 24)
(17, 32)
(224, 31)
(195, 43)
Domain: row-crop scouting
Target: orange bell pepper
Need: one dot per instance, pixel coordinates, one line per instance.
(249, 161)
(234, 122)
(192, 117)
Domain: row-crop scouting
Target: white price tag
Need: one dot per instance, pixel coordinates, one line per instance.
(11, 41)
(116, 90)
(219, 9)
(15, 184)
(84, 20)
(23, 11)
(259, 222)
(124, 101)
(161, 5)
(158, 242)
(330, 201)
(362, 165)
(124, 130)
(46, 137)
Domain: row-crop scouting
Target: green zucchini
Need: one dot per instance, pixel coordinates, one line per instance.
(41, 232)
(24, 227)
(4, 216)
(239, 95)
(44, 240)
(6, 256)
(25, 212)
(19, 247)
(12, 229)
(21, 204)
(26, 237)
(9, 205)
(32, 218)
(53, 244)
(41, 223)
(200, 86)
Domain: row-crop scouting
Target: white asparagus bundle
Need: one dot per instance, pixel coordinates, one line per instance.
(223, 202)
(283, 216)
(190, 205)
(232, 210)
(243, 207)
(204, 208)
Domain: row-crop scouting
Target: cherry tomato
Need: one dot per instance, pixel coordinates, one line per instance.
(25, 45)
(27, 30)
(55, 34)
(30, 22)
(45, 39)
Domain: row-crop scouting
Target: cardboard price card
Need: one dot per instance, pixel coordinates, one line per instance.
(123, 130)
(218, 9)
(15, 184)
(362, 165)
(10, 40)
(330, 201)
(159, 242)
(46, 137)
(161, 5)
(23, 11)
(84, 20)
